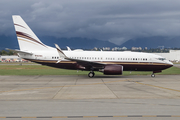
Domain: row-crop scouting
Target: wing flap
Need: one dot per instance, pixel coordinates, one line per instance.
(86, 63)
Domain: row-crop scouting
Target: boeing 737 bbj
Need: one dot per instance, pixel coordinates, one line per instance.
(108, 62)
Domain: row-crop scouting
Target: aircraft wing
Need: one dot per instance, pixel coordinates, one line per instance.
(84, 62)
(80, 62)
(19, 51)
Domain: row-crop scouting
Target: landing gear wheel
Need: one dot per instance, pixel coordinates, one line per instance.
(153, 75)
(91, 74)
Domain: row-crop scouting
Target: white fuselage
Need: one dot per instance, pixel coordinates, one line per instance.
(107, 57)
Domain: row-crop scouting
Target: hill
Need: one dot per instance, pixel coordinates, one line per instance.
(74, 43)
(77, 42)
(85, 43)
(153, 42)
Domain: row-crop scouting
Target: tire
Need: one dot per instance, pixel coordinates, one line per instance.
(91, 74)
(152, 75)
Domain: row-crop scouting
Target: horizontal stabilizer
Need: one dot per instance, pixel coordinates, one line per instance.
(19, 51)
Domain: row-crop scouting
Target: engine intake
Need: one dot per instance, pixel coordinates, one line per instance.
(113, 70)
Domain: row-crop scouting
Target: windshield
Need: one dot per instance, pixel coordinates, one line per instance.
(162, 59)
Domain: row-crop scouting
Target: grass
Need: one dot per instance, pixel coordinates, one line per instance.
(45, 70)
(37, 70)
(15, 63)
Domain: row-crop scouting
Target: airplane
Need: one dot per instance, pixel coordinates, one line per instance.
(107, 62)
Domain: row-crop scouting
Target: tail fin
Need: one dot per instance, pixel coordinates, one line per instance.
(27, 40)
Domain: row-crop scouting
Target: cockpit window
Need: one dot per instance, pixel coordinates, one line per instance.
(162, 59)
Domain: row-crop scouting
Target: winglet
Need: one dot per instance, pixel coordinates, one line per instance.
(61, 53)
(69, 49)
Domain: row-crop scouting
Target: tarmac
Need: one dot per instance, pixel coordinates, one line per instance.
(79, 97)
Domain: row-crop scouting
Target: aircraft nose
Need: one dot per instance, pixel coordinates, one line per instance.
(170, 64)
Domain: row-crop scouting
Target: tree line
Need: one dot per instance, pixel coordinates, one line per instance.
(6, 52)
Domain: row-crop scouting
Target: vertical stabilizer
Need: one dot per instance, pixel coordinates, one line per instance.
(27, 40)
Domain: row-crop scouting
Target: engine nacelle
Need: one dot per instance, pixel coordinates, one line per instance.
(113, 70)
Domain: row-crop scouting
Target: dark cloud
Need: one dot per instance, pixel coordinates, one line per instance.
(112, 20)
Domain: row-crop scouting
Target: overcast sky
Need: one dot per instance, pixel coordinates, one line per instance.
(110, 20)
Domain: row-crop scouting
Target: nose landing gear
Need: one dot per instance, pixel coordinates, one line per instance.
(152, 75)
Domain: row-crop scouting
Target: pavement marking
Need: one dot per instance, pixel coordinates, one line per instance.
(149, 116)
(74, 116)
(64, 86)
(163, 115)
(175, 115)
(13, 117)
(158, 87)
(60, 117)
(105, 116)
(134, 116)
(131, 116)
(28, 117)
(44, 117)
(121, 116)
(2, 117)
(90, 116)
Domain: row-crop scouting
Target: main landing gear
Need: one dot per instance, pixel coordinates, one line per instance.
(91, 74)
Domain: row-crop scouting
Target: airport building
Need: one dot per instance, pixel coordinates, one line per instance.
(173, 55)
(11, 58)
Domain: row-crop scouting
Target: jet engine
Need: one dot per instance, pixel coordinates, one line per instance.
(112, 70)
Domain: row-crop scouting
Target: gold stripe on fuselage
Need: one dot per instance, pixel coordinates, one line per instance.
(120, 63)
(49, 61)
(134, 63)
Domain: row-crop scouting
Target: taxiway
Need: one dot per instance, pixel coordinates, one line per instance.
(101, 97)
